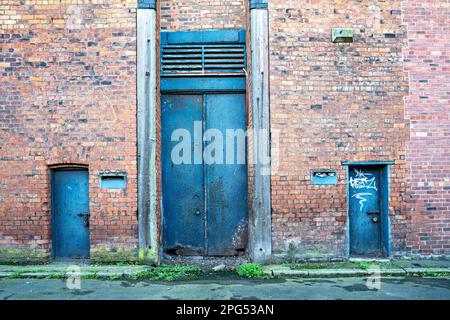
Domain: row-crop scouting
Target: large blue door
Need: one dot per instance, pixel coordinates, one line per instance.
(365, 210)
(70, 203)
(205, 200)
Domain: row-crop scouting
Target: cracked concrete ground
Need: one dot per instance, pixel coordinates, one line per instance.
(290, 289)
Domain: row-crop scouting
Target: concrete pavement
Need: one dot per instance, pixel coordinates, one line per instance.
(290, 289)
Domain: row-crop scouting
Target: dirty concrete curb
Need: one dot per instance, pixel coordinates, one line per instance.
(428, 270)
(278, 271)
(64, 275)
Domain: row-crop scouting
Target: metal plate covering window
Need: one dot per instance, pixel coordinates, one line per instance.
(203, 88)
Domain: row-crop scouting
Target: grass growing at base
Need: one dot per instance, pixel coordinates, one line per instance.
(16, 274)
(169, 273)
(429, 274)
(251, 270)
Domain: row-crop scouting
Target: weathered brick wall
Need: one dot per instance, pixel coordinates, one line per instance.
(67, 95)
(202, 14)
(333, 103)
(427, 61)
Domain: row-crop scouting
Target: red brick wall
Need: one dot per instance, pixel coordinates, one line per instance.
(427, 62)
(202, 14)
(67, 95)
(333, 103)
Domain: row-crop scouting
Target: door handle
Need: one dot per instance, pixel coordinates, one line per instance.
(85, 217)
(197, 212)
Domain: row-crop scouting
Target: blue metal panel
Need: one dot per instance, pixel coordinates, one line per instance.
(259, 4)
(206, 36)
(324, 177)
(70, 208)
(385, 221)
(206, 59)
(113, 182)
(226, 182)
(203, 84)
(365, 210)
(146, 4)
(219, 52)
(183, 197)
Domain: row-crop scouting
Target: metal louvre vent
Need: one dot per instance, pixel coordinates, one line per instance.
(203, 59)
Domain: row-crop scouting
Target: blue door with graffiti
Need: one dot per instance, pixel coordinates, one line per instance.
(204, 173)
(70, 213)
(365, 211)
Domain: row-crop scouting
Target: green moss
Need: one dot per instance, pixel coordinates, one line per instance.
(91, 276)
(23, 256)
(149, 256)
(126, 263)
(113, 255)
(429, 274)
(56, 276)
(16, 275)
(169, 273)
(330, 265)
(365, 265)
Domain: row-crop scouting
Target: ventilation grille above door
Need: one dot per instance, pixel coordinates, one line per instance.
(203, 59)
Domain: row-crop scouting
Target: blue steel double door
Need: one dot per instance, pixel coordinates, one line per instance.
(204, 195)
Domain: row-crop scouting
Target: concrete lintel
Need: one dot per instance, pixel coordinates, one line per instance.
(146, 120)
(260, 220)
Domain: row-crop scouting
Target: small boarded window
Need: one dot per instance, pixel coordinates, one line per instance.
(113, 181)
(324, 177)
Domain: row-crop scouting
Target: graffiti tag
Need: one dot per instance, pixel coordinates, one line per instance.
(362, 181)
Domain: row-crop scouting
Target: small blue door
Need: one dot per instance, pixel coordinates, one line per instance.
(70, 203)
(205, 184)
(365, 210)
